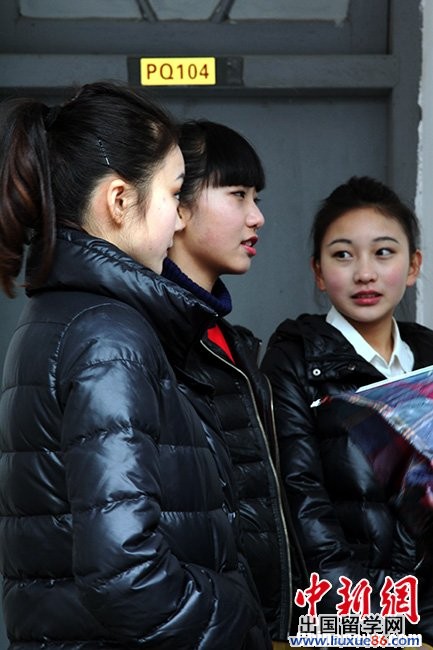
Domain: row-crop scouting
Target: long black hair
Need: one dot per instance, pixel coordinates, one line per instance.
(52, 157)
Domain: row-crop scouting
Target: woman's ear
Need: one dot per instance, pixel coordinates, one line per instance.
(119, 198)
(414, 268)
(184, 212)
(110, 199)
(317, 270)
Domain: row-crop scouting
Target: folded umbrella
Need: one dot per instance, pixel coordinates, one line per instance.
(392, 423)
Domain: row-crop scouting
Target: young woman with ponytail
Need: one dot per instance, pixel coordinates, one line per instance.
(118, 524)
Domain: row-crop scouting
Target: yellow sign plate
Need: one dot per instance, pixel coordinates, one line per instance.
(178, 71)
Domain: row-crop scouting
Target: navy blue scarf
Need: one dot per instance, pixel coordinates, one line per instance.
(219, 300)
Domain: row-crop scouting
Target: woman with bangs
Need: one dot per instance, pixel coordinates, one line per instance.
(221, 220)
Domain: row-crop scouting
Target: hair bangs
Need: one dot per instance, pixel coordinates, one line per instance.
(235, 163)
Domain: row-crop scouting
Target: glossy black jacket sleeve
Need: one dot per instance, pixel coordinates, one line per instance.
(324, 544)
(128, 577)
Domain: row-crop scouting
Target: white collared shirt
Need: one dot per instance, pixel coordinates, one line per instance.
(401, 360)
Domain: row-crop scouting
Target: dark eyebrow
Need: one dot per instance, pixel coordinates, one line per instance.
(339, 241)
(386, 238)
(181, 176)
(377, 239)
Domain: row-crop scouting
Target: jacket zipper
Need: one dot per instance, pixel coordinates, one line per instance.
(278, 465)
(283, 601)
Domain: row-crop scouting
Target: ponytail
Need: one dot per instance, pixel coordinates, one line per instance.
(51, 160)
(26, 201)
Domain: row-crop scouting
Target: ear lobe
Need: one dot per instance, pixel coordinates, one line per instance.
(414, 268)
(316, 268)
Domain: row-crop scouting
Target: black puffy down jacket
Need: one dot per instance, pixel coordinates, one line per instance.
(345, 519)
(241, 397)
(118, 522)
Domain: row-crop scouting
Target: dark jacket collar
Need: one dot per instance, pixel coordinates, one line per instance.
(327, 350)
(328, 355)
(320, 339)
(86, 263)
